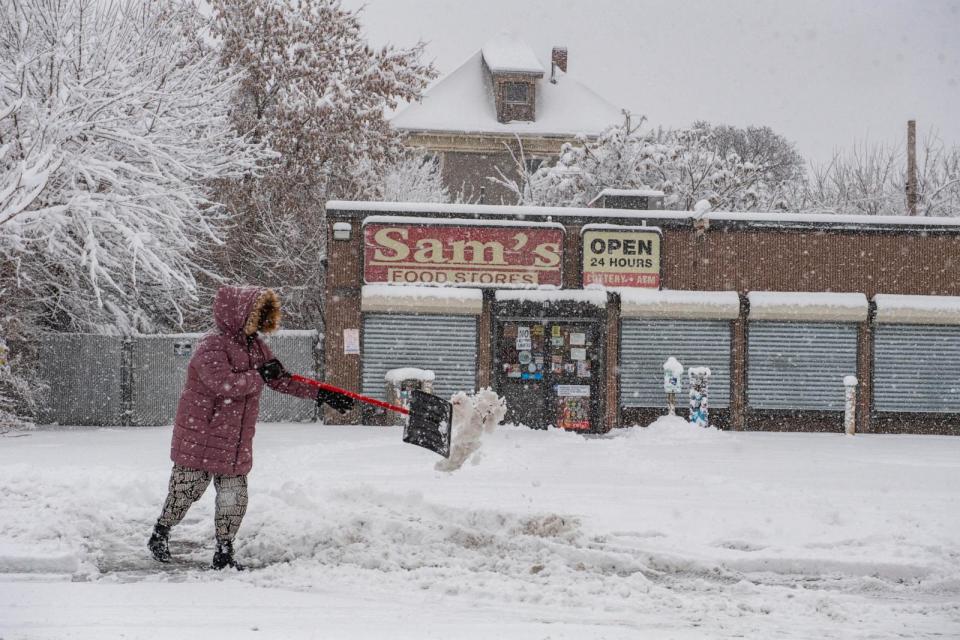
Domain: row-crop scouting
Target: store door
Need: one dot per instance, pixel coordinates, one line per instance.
(549, 372)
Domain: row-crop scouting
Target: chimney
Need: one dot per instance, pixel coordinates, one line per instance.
(558, 59)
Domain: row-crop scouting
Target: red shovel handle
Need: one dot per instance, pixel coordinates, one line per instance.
(349, 394)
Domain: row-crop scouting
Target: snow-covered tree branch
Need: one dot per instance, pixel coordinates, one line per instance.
(317, 93)
(113, 124)
(699, 163)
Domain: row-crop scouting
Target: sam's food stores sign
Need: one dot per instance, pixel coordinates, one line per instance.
(462, 252)
(621, 256)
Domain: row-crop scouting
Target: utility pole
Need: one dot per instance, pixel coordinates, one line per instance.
(911, 167)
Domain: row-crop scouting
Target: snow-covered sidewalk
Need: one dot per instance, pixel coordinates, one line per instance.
(664, 532)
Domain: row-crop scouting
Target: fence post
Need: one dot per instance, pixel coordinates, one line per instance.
(850, 405)
(126, 381)
(672, 383)
(699, 404)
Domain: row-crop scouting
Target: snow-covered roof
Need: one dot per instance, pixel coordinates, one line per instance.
(596, 297)
(809, 306)
(650, 303)
(917, 309)
(506, 53)
(758, 218)
(394, 298)
(458, 222)
(463, 102)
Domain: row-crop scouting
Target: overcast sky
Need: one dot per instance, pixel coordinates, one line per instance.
(824, 74)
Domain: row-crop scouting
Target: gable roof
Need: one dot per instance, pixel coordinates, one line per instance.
(463, 102)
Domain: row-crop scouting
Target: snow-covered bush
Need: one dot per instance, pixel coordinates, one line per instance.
(114, 120)
(414, 178)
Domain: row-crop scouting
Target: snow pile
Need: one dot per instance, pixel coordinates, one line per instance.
(666, 429)
(473, 416)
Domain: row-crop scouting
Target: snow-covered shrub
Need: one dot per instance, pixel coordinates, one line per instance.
(414, 178)
(114, 120)
(18, 391)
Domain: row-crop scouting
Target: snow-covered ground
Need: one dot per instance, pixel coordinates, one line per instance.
(663, 532)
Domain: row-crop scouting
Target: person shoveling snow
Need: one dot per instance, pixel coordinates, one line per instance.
(216, 418)
(473, 415)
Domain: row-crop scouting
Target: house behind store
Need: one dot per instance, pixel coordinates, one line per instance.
(570, 312)
(501, 106)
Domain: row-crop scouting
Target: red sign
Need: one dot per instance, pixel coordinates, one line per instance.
(462, 255)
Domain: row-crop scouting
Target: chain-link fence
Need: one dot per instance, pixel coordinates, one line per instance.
(113, 380)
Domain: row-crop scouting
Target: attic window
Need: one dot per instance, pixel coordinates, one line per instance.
(516, 92)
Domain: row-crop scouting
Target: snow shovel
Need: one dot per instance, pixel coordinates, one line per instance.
(430, 418)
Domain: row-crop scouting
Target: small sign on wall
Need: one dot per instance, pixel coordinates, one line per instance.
(351, 342)
(621, 257)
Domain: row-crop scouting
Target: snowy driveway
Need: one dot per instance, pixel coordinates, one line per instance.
(655, 533)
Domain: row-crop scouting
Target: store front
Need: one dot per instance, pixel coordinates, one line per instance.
(570, 313)
(549, 357)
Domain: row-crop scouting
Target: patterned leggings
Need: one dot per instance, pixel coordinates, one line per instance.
(186, 487)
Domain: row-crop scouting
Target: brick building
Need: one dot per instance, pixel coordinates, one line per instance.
(501, 99)
(570, 313)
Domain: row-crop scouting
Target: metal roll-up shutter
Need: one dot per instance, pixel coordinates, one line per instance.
(916, 368)
(646, 344)
(447, 345)
(800, 365)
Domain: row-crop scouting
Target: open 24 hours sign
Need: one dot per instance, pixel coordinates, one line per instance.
(616, 256)
(468, 253)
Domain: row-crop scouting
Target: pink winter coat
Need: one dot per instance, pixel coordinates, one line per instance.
(217, 414)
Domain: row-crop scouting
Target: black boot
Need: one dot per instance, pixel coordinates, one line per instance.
(159, 543)
(223, 557)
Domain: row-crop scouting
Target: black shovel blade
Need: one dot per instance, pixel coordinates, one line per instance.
(430, 423)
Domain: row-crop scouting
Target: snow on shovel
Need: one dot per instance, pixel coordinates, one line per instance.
(430, 418)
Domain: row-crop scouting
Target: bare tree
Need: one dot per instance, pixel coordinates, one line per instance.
(316, 92)
(870, 179)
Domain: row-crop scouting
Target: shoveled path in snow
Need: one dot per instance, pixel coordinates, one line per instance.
(663, 532)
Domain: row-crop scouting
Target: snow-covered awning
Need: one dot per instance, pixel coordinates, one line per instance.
(709, 305)
(596, 297)
(810, 306)
(917, 309)
(387, 298)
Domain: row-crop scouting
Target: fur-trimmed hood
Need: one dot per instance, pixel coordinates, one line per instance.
(237, 310)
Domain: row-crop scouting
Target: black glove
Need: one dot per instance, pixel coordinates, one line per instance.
(271, 370)
(336, 400)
